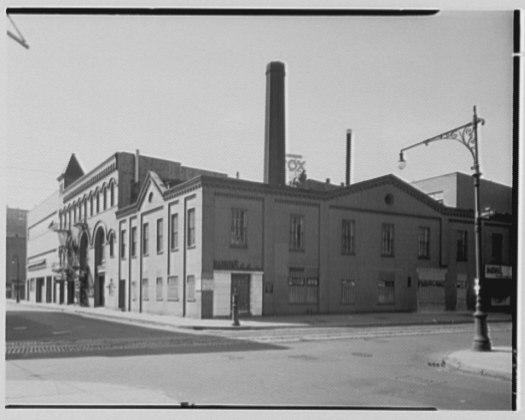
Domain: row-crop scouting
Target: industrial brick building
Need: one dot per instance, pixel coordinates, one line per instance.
(15, 267)
(143, 234)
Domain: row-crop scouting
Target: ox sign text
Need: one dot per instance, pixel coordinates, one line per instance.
(295, 165)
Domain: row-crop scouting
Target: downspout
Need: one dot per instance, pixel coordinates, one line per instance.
(140, 261)
(184, 252)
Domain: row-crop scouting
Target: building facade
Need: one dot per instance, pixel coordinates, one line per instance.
(15, 268)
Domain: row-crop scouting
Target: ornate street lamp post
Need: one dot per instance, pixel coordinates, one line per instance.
(467, 135)
(17, 277)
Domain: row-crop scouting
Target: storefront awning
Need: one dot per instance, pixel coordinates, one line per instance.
(36, 264)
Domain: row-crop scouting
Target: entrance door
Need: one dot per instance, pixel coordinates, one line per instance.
(241, 283)
(122, 294)
(49, 290)
(39, 288)
(99, 290)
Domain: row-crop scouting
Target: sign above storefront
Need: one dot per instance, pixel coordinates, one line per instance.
(498, 271)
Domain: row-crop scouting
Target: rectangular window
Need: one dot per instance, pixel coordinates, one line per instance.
(190, 288)
(91, 206)
(347, 292)
(238, 228)
(297, 232)
(387, 240)
(461, 254)
(497, 247)
(423, 242)
(134, 241)
(191, 227)
(145, 239)
(105, 198)
(145, 289)
(98, 202)
(386, 288)
(348, 237)
(174, 240)
(160, 235)
(123, 244)
(159, 291)
(173, 288)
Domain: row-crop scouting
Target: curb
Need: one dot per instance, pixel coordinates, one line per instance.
(454, 363)
(160, 323)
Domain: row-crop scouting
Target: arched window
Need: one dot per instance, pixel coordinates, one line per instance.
(112, 194)
(111, 245)
(105, 198)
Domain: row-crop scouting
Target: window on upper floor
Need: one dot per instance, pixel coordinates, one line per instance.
(112, 194)
(238, 227)
(497, 247)
(105, 198)
(160, 235)
(133, 241)
(174, 236)
(423, 242)
(387, 240)
(145, 238)
(296, 232)
(123, 244)
(461, 245)
(191, 228)
(348, 237)
(111, 245)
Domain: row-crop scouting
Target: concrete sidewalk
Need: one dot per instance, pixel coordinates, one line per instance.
(268, 322)
(496, 363)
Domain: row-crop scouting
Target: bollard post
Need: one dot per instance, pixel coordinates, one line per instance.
(235, 308)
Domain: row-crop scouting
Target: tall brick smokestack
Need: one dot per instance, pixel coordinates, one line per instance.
(274, 142)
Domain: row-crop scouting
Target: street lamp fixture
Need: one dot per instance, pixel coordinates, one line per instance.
(402, 162)
(467, 135)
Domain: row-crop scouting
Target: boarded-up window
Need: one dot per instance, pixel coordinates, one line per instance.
(190, 288)
(173, 288)
(386, 288)
(159, 289)
(348, 292)
(145, 289)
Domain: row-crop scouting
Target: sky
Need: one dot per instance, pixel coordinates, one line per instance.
(192, 89)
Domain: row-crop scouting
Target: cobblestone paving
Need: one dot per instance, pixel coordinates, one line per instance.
(20, 349)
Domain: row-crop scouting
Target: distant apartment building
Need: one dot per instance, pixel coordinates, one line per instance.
(15, 267)
(42, 252)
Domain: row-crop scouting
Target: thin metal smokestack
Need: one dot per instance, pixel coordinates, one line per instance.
(274, 144)
(137, 157)
(348, 157)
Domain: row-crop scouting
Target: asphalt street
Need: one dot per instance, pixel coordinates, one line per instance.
(382, 367)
